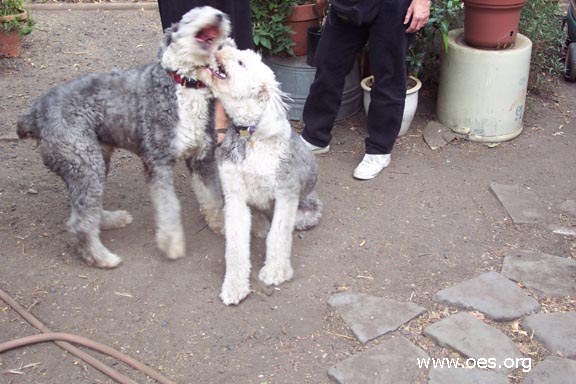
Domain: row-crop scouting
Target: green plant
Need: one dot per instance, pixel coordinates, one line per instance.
(541, 22)
(15, 7)
(271, 36)
(445, 15)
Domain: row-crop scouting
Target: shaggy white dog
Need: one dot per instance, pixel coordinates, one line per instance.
(159, 111)
(264, 165)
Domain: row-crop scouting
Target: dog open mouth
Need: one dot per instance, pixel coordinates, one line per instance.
(207, 35)
(219, 72)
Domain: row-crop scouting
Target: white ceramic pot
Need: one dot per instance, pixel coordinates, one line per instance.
(409, 107)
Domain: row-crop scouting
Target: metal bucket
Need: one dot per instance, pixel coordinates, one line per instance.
(296, 76)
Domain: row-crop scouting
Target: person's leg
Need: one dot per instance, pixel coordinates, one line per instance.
(171, 11)
(339, 46)
(241, 19)
(388, 44)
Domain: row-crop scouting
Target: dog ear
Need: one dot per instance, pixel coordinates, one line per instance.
(167, 38)
(229, 42)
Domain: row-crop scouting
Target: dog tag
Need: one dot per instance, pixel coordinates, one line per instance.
(244, 133)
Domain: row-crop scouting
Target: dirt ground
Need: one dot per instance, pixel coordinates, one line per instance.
(428, 222)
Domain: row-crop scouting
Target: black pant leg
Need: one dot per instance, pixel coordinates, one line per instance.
(338, 48)
(388, 44)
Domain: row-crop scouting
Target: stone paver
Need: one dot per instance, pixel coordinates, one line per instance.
(553, 370)
(437, 135)
(465, 376)
(369, 316)
(473, 338)
(523, 205)
(568, 207)
(546, 275)
(393, 361)
(557, 331)
(564, 231)
(490, 293)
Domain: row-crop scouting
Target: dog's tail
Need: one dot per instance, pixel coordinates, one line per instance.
(26, 126)
(309, 212)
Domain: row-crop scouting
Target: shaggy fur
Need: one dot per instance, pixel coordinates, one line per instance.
(144, 110)
(263, 165)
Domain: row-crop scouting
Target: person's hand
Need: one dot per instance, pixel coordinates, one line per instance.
(417, 15)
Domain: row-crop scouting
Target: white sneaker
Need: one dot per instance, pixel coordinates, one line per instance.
(315, 149)
(370, 166)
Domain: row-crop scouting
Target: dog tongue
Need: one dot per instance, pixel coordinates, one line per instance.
(208, 33)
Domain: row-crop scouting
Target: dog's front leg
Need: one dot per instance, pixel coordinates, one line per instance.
(169, 232)
(277, 268)
(237, 222)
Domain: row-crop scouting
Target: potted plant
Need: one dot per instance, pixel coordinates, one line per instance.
(270, 33)
(272, 38)
(14, 23)
(491, 24)
(280, 27)
(303, 15)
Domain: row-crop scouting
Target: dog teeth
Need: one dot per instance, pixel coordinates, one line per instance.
(218, 72)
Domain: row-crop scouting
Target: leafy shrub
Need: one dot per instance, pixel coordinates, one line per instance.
(13, 7)
(423, 59)
(541, 22)
(270, 35)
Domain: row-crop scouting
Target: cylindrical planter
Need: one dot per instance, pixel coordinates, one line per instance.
(410, 105)
(491, 24)
(300, 19)
(295, 77)
(10, 42)
(482, 93)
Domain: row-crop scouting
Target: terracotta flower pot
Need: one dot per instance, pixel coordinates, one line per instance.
(491, 24)
(300, 19)
(10, 42)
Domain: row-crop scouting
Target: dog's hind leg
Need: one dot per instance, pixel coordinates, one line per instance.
(206, 186)
(169, 231)
(83, 172)
(236, 284)
(112, 219)
(277, 268)
(309, 212)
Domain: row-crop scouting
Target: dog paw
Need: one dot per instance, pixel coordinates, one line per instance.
(171, 243)
(234, 293)
(115, 219)
(275, 274)
(216, 222)
(103, 259)
(112, 261)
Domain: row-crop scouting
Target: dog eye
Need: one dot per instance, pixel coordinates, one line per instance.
(240, 63)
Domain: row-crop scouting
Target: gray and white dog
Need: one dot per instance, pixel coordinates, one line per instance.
(159, 111)
(264, 165)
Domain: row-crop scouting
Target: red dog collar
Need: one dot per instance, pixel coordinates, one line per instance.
(186, 81)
